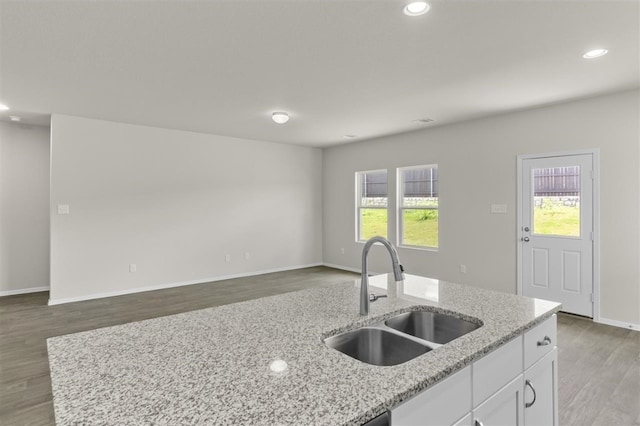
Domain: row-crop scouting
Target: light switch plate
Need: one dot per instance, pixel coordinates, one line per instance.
(63, 209)
(498, 208)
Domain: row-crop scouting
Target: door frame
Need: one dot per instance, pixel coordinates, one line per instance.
(595, 153)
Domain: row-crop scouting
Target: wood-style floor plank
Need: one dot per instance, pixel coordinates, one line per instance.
(598, 378)
(599, 366)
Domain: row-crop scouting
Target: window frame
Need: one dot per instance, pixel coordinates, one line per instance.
(400, 207)
(358, 222)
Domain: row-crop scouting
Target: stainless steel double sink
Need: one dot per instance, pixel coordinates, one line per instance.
(401, 337)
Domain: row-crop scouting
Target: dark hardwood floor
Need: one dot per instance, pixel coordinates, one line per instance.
(599, 375)
(26, 322)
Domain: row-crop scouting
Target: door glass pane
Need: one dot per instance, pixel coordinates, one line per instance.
(556, 201)
(373, 222)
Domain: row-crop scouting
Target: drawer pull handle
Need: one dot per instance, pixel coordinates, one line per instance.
(529, 404)
(546, 341)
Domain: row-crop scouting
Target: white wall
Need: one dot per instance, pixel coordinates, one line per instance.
(469, 233)
(175, 203)
(24, 208)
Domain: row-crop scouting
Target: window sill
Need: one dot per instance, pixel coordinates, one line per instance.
(431, 249)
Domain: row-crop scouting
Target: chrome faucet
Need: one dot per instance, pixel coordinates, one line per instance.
(398, 270)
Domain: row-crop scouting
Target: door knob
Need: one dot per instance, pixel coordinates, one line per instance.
(525, 239)
(526, 229)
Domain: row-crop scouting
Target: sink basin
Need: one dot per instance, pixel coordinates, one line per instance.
(376, 346)
(431, 326)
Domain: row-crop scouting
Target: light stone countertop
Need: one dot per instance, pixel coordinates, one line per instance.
(211, 366)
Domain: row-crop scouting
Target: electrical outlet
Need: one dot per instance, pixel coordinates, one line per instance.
(63, 209)
(247, 255)
(227, 258)
(133, 267)
(463, 268)
(342, 250)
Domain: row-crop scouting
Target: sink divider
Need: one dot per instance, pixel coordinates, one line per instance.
(382, 326)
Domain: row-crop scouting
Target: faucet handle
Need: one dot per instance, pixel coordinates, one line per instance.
(373, 297)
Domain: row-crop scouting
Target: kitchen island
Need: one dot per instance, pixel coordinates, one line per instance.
(216, 366)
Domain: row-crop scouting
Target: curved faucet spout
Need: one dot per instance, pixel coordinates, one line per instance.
(398, 271)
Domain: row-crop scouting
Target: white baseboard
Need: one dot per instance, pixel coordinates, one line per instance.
(617, 323)
(343, 268)
(23, 291)
(178, 284)
(357, 271)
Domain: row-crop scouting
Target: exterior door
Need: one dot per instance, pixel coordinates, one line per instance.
(556, 235)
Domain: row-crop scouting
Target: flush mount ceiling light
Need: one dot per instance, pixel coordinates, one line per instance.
(416, 8)
(596, 53)
(3, 107)
(280, 117)
(14, 118)
(423, 120)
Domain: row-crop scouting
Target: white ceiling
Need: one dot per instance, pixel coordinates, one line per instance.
(338, 67)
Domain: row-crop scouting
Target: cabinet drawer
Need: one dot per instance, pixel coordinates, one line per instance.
(539, 341)
(441, 404)
(496, 369)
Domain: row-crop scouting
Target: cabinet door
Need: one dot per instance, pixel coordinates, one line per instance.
(442, 404)
(502, 409)
(465, 421)
(492, 372)
(540, 392)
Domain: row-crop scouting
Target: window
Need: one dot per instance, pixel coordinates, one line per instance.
(418, 206)
(371, 200)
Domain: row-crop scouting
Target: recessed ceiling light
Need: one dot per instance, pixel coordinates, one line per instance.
(596, 53)
(280, 117)
(423, 120)
(3, 107)
(416, 8)
(350, 136)
(14, 118)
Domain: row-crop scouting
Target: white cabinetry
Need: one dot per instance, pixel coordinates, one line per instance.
(495, 370)
(540, 392)
(541, 375)
(442, 404)
(498, 386)
(502, 408)
(539, 341)
(516, 384)
(465, 421)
